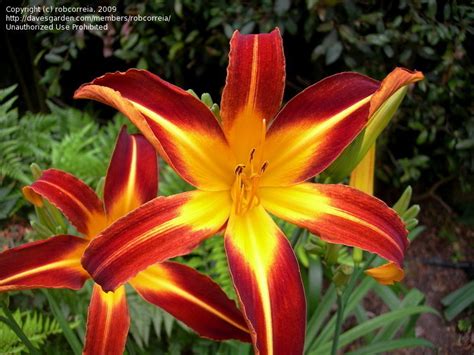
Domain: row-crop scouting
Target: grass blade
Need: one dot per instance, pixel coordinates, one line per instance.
(68, 333)
(319, 315)
(459, 293)
(458, 300)
(391, 345)
(388, 296)
(413, 298)
(377, 322)
(359, 293)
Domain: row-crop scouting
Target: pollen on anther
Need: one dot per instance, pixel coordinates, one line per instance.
(239, 169)
(252, 153)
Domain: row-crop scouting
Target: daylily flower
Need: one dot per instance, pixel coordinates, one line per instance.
(132, 179)
(252, 164)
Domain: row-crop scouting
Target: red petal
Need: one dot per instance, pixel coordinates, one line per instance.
(193, 298)
(77, 201)
(267, 279)
(132, 177)
(342, 215)
(161, 229)
(107, 322)
(51, 263)
(254, 88)
(181, 127)
(315, 126)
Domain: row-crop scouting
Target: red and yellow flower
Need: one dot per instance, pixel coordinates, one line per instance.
(132, 179)
(252, 164)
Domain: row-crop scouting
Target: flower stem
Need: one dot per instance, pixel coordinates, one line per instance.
(342, 299)
(15, 327)
(337, 330)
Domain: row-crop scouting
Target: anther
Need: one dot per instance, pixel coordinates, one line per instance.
(252, 153)
(264, 167)
(239, 169)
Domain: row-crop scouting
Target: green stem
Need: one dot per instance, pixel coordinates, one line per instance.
(12, 323)
(343, 299)
(337, 330)
(355, 276)
(332, 253)
(68, 333)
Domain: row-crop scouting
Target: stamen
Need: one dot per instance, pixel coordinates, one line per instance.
(244, 192)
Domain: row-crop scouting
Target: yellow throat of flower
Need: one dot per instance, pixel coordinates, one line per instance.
(244, 190)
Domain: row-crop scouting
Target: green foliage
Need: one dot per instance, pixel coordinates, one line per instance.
(36, 326)
(391, 345)
(397, 324)
(458, 301)
(9, 199)
(408, 213)
(66, 326)
(381, 321)
(145, 317)
(21, 139)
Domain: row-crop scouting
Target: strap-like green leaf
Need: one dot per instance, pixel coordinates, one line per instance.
(391, 345)
(319, 315)
(415, 233)
(314, 284)
(359, 293)
(458, 301)
(413, 298)
(71, 337)
(388, 296)
(459, 293)
(377, 322)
